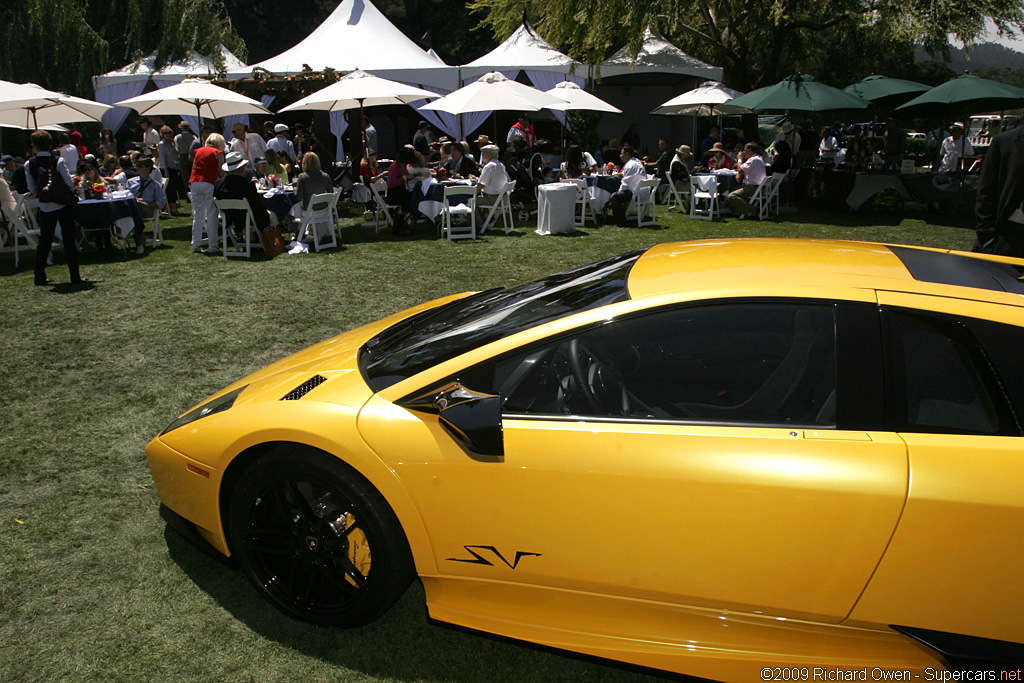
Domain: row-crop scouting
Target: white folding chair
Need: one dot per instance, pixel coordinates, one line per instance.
(22, 225)
(583, 205)
(907, 167)
(158, 232)
(704, 197)
(335, 218)
(380, 205)
(501, 207)
(641, 204)
(675, 197)
(227, 235)
(318, 218)
(450, 210)
(776, 192)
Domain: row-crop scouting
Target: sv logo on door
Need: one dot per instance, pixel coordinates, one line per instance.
(489, 550)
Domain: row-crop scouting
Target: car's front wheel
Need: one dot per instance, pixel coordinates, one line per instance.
(316, 539)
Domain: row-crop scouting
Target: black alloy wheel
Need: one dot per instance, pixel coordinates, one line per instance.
(317, 540)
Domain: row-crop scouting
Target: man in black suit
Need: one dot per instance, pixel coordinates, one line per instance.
(460, 165)
(1000, 224)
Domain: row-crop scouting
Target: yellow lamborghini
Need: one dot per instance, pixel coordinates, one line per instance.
(744, 460)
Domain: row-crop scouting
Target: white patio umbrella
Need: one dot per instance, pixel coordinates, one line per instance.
(27, 105)
(194, 96)
(577, 98)
(707, 99)
(359, 89)
(494, 92)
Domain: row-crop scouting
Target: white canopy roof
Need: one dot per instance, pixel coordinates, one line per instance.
(658, 56)
(196, 65)
(525, 50)
(357, 36)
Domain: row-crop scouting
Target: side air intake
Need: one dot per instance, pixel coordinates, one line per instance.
(304, 388)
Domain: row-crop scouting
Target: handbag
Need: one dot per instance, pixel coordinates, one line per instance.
(53, 189)
(273, 244)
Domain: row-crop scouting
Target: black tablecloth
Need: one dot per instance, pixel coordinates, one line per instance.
(100, 214)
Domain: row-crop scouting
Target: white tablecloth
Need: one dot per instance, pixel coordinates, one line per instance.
(556, 206)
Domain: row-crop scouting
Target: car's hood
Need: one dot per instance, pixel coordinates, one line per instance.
(332, 365)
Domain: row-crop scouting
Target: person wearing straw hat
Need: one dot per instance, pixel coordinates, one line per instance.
(953, 148)
(719, 158)
(478, 144)
(235, 185)
(679, 168)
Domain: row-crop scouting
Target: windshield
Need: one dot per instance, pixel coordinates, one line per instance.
(442, 333)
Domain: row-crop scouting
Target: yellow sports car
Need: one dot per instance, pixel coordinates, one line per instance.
(739, 459)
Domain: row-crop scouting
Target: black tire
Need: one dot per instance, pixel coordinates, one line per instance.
(317, 540)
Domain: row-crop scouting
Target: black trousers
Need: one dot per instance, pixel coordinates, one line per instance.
(173, 185)
(618, 204)
(48, 221)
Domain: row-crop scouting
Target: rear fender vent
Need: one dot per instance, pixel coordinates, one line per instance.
(304, 388)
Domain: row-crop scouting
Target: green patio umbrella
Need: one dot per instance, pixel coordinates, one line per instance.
(799, 92)
(964, 95)
(883, 90)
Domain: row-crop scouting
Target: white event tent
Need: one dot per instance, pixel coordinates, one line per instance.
(657, 55)
(660, 71)
(357, 36)
(130, 80)
(526, 51)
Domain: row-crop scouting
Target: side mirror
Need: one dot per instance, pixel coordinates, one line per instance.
(471, 418)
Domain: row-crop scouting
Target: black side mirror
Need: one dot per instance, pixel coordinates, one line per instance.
(471, 418)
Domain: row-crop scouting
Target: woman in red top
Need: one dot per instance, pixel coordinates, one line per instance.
(206, 165)
(719, 158)
(397, 192)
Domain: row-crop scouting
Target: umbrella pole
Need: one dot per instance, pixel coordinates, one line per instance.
(362, 125)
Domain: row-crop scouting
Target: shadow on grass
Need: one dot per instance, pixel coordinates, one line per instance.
(403, 644)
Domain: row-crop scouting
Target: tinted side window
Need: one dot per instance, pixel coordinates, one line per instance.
(940, 379)
(740, 363)
(1004, 346)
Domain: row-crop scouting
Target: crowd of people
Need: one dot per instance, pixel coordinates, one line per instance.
(164, 164)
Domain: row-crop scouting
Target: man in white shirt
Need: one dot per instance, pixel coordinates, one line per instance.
(41, 166)
(750, 173)
(493, 179)
(250, 145)
(150, 135)
(281, 144)
(951, 150)
(632, 173)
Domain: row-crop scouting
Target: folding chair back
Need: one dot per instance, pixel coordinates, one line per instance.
(20, 225)
(583, 205)
(228, 235)
(642, 204)
(318, 219)
(675, 197)
(907, 167)
(451, 209)
(380, 205)
(704, 197)
(501, 207)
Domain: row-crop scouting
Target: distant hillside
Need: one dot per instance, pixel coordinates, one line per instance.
(983, 56)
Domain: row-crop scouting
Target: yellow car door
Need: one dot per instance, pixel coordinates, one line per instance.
(955, 394)
(688, 455)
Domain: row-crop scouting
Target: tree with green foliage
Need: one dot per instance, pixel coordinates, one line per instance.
(757, 41)
(62, 44)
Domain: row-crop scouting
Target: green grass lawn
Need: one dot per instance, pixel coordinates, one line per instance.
(92, 587)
